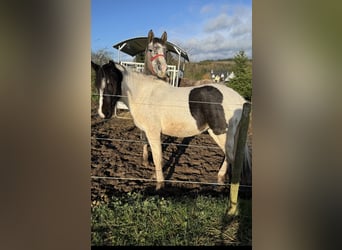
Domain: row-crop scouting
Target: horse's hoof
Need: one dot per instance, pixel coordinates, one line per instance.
(159, 185)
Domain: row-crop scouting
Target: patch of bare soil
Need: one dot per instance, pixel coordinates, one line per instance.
(116, 153)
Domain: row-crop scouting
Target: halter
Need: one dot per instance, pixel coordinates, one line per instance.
(156, 56)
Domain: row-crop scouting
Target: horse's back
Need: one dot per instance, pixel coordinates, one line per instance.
(207, 93)
(188, 108)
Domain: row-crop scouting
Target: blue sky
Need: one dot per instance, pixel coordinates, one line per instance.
(206, 29)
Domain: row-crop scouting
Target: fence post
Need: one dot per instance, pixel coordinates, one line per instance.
(239, 158)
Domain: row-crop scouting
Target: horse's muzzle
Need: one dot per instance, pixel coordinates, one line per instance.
(161, 74)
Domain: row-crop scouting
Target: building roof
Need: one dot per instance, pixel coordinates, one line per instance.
(137, 45)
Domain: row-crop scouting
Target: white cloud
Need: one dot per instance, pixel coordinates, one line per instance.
(206, 9)
(221, 35)
(221, 22)
(216, 46)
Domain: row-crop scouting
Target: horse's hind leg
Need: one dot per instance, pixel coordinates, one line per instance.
(221, 141)
(221, 176)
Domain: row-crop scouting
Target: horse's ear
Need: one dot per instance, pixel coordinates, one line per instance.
(94, 66)
(150, 36)
(164, 37)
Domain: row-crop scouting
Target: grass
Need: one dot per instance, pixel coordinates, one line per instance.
(138, 220)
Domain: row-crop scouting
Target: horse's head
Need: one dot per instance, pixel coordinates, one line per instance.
(108, 83)
(155, 55)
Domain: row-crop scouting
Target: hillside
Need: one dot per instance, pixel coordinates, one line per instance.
(201, 70)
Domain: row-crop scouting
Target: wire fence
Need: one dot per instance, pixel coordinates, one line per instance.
(163, 143)
(160, 105)
(154, 180)
(167, 181)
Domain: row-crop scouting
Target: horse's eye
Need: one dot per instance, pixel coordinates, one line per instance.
(150, 50)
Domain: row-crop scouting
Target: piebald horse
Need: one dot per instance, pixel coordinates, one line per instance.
(158, 108)
(155, 56)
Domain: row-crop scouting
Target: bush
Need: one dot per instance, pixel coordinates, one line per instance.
(242, 82)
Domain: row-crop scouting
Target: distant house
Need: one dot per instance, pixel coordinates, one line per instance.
(221, 76)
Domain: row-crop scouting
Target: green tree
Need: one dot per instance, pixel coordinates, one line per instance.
(101, 56)
(242, 82)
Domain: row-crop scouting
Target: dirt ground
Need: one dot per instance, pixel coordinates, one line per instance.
(116, 152)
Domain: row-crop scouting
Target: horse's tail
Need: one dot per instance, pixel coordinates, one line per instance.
(246, 173)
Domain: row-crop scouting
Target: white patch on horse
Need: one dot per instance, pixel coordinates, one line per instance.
(99, 111)
(158, 108)
(103, 83)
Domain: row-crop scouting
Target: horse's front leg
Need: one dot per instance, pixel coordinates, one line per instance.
(155, 144)
(145, 149)
(145, 155)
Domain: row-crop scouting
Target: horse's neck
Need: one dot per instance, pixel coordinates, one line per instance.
(137, 88)
(146, 69)
(147, 66)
